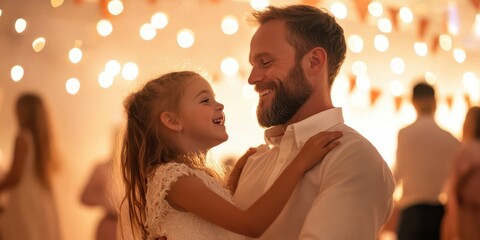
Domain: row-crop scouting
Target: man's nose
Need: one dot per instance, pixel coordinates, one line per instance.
(255, 76)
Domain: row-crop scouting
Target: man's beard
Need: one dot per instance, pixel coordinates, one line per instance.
(290, 95)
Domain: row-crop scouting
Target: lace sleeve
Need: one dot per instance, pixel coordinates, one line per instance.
(158, 186)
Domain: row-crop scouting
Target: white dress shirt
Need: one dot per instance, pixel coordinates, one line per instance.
(348, 196)
(424, 156)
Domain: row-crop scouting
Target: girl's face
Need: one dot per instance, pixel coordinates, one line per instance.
(201, 115)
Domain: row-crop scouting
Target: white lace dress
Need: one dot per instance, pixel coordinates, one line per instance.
(163, 220)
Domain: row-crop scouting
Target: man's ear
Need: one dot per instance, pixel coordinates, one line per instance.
(316, 59)
(171, 121)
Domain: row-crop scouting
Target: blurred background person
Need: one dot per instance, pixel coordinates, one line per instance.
(99, 192)
(424, 156)
(30, 213)
(462, 219)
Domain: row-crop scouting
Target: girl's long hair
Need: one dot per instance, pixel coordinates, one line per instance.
(33, 116)
(144, 147)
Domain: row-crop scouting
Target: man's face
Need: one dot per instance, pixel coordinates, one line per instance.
(279, 80)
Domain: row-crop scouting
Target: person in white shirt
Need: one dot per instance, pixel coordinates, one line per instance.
(296, 54)
(424, 157)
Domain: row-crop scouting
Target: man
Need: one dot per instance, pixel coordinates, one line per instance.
(296, 54)
(424, 155)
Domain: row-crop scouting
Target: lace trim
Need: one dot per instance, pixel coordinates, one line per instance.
(158, 186)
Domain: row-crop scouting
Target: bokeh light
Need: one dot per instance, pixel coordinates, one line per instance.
(38, 44)
(229, 25)
(20, 25)
(355, 43)
(16, 73)
(229, 66)
(159, 20)
(147, 32)
(104, 27)
(185, 38)
(375, 9)
(130, 71)
(75, 55)
(72, 86)
(115, 7)
(381, 42)
(397, 65)
(339, 10)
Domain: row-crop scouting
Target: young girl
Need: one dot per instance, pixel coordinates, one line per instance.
(172, 122)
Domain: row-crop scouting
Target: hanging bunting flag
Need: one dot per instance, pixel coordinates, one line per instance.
(422, 27)
(362, 8)
(398, 102)
(374, 94)
(435, 43)
(449, 100)
(394, 16)
(476, 4)
(353, 82)
(104, 8)
(311, 2)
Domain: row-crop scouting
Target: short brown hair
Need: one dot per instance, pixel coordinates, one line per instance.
(309, 27)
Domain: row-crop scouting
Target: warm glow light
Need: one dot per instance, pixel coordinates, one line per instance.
(339, 10)
(472, 85)
(159, 20)
(384, 25)
(396, 88)
(476, 25)
(185, 38)
(130, 71)
(406, 15)
(229, 25)
(453, 24)
(56, 3)
(104, 27)
(229, 66)
(75, 55)
(115, 7)
(20, 25)
(249, 91)
(38, 44)
(381, 42)
(421, 48)
(397, 65)
(363, 82)
(359, 68)
(375, 9)
(459, 55)
(113, 67)
(430, 78)
(72, 86)
(355, 43)
(105, 80)
(445, 42)
(147, 32)
(16, 73)
(259, 4)
(1, 12)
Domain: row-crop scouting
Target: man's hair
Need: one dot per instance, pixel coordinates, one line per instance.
(309, 27)
(423, 90)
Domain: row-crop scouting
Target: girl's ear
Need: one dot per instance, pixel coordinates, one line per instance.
(171, 121)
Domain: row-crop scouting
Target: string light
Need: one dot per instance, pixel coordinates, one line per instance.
(75, 55)
(421, 48)
(56, 3)
(339, 10)
(130, 71)
(229, 25)
(16, 73)
(185, 38)
(115, 7)
(72, 86)
(104, 27)
(384, 25)
(159, 20)
(355, 43)
(147, 32)
(20, 25)
(397, 65)
(359, 68)
(38, 44)
(259, 4)
(406, 15)
(375, 8)
(381, 43)
(445, 42)
(229, 66)
(459, 55)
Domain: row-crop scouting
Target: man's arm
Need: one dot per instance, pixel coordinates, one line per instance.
(355, 198)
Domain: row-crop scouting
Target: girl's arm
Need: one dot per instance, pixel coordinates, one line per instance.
(19, 158)
(189, 193)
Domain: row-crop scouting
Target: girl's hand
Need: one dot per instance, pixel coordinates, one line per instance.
(237, 170)
(316, 148)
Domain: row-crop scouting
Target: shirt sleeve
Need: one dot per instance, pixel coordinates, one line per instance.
(355, 197)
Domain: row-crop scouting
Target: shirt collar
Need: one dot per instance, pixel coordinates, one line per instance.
(306, 128)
